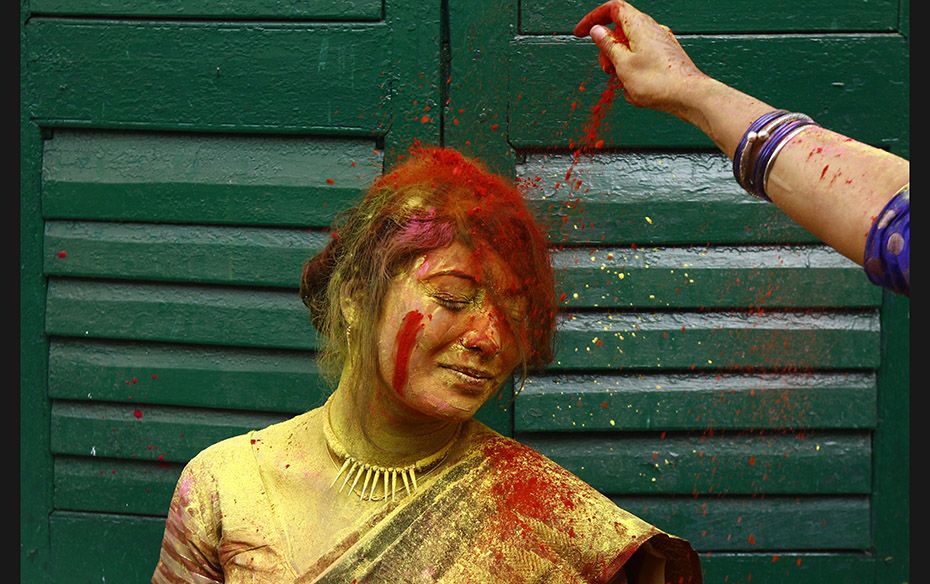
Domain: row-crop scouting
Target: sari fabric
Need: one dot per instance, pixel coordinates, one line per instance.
(496, 511)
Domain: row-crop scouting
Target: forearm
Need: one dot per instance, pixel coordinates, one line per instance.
(830, 184)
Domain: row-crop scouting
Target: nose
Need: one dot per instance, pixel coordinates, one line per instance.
(483, 334)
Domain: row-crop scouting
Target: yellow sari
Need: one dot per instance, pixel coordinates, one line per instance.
(496, 511)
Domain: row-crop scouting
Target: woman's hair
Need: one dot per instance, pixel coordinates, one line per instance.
(435, 197)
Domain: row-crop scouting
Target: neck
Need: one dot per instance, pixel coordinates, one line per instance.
(376, 428)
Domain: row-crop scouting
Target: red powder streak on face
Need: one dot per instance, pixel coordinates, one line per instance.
(406, 339)
(137, 414)
(822, 174)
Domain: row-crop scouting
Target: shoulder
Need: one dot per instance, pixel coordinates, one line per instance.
(535, 484)
(231, 461)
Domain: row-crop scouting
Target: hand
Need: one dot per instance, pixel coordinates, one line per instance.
(653, 68)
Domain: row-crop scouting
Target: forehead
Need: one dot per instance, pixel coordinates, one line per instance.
(482, 265)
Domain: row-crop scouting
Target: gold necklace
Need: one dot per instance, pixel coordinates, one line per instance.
(354, 470)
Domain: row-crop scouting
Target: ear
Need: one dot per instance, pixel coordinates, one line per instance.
(348, 304)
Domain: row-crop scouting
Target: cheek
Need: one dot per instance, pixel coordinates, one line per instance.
(404, 343)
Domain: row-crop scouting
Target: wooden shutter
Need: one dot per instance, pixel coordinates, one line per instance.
(180, 161)
(718, 371)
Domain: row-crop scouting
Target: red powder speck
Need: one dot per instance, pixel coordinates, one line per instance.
(154, 376)
(161, 458)
(574, 105)
(752, 460)
(775, 558)
(798, 562)
(62, 254)
(633, 246)
(330, 181)
(494, 127)
(605, 405)
(138, 414)
(563, 296)
(354, 164)
(455, 121)
(135, 380)
(599, 144)
(253, 441)
(581, 87)
(424, 120)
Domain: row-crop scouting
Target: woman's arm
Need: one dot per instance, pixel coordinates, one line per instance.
(189, 548)
(832, 185)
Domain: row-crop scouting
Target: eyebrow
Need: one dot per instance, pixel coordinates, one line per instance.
(452, 272)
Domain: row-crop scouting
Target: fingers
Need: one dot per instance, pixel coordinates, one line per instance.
(606, 13)
(609, 42)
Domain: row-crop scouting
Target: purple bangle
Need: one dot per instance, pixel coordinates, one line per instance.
(887, 257)
(746, 140)
(771, 146)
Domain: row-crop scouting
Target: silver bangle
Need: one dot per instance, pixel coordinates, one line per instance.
(788, 137)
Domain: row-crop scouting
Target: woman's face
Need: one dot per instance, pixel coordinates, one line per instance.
(444, 342)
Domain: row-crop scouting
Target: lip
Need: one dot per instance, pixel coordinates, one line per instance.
(470, 373)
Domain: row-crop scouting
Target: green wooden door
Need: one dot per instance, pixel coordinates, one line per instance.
(718, 372)
(180, 161)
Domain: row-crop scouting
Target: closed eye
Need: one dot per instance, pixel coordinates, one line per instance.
(450, 302)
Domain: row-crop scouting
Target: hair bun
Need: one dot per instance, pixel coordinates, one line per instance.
(315, 278)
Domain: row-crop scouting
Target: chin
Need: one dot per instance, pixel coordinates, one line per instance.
(454, 407)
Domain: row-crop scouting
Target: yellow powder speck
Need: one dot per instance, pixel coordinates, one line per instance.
(710, 361)
(621, 275)
(649, 220)
(818, 447)
(652, 297)
(613, 423)
(575, 295)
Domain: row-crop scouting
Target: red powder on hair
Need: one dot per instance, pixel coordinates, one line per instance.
(406, 339)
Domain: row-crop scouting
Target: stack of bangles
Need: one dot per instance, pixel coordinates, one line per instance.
(756, 152)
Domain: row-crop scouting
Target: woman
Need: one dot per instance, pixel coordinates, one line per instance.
(854, 197)
(432, 292)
